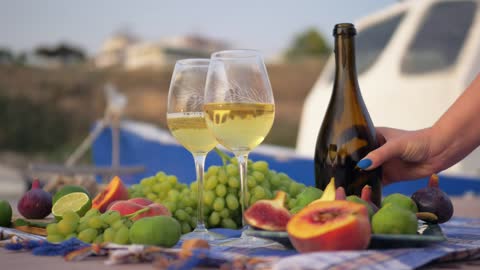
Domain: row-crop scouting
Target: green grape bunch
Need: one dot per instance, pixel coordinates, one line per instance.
(93, 227)
(221, 196)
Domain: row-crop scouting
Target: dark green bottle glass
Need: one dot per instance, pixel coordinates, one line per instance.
(347, 133)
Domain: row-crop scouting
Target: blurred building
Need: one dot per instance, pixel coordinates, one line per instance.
(133, 54)
(114, 50)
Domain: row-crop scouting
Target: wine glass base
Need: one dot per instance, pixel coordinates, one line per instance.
(202, 234)
(245, 241)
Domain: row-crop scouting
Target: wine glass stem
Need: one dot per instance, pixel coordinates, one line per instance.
(242, 162)
(199, 167)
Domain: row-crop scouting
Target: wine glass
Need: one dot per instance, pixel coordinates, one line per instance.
(186, 121)
(239, 110)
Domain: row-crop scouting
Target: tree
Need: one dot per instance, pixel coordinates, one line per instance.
(6, 56)
(65, 52)
(308, 44)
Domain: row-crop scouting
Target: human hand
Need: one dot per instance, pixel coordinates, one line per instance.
(403, 155)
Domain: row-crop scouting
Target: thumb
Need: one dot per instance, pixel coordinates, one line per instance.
(380, 155)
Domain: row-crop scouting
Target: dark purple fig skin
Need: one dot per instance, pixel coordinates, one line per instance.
(434, 200)
(35, 203)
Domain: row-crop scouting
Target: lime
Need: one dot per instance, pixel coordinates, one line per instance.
(5, 213)
(67, 190)
(307, 196)
(401, 201)
(391, 219)
(158, 230)
(77, 202)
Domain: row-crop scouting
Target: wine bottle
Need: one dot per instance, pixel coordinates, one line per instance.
(347, 133)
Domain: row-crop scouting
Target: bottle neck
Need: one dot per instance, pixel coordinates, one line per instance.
(345, 59)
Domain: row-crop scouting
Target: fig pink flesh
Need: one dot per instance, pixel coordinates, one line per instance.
(264, 213)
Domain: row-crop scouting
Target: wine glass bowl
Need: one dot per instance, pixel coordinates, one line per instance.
(238, 100)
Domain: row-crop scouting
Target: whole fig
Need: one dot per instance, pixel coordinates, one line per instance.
(433, 200)
(35, 203)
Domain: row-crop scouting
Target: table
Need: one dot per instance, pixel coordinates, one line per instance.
(463, 233)
(23, 260)
(467, 206)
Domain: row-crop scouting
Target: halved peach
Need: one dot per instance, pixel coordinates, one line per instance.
(330, 225)
(114, 191)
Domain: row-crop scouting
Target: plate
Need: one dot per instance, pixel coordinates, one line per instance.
(427, 234)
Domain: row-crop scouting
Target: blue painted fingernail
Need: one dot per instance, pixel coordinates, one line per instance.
(364, 163)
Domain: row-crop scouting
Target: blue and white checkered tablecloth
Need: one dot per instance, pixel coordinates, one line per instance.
(463, 243)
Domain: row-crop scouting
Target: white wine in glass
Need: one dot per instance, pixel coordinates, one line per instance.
(239, 110)
(186, 121)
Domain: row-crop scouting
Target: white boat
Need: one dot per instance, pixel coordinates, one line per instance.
(413, 60)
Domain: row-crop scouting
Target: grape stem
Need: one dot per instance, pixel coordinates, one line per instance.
(134, 214)
(225, 158)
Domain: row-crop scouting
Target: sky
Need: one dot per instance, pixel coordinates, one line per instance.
(265, 25)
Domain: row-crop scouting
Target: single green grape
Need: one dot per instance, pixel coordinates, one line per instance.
(173, 195)
(171, 206)
(172, 179)
(52, 228)
(146, 182)
(251, 182)
(91, 212)
(95, 222)
(291, 203)
(160, 176)
(194, 187)
(111, 217)
(259, 193)
(190, 201)
(71, 216)
(117, 225)
(261, 166)
(228, 223)
(87, 235)
(221, 190)
(181, 215)
(152, 196)
(186, 227)
(99, 239)
(212, 170)
(211, 183)
(121, 236)
(233, 182)
(82, 226)
(146, 189)
(165, 186)
(275, 180)
(225, 213)
(189, 210)
(66, 227)
(109, 235)
(181, 204)
(218, 204)
(55, 238)
(214, 219)
(157, 188)
(232, 202)
(232, 170)
(208, 197)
